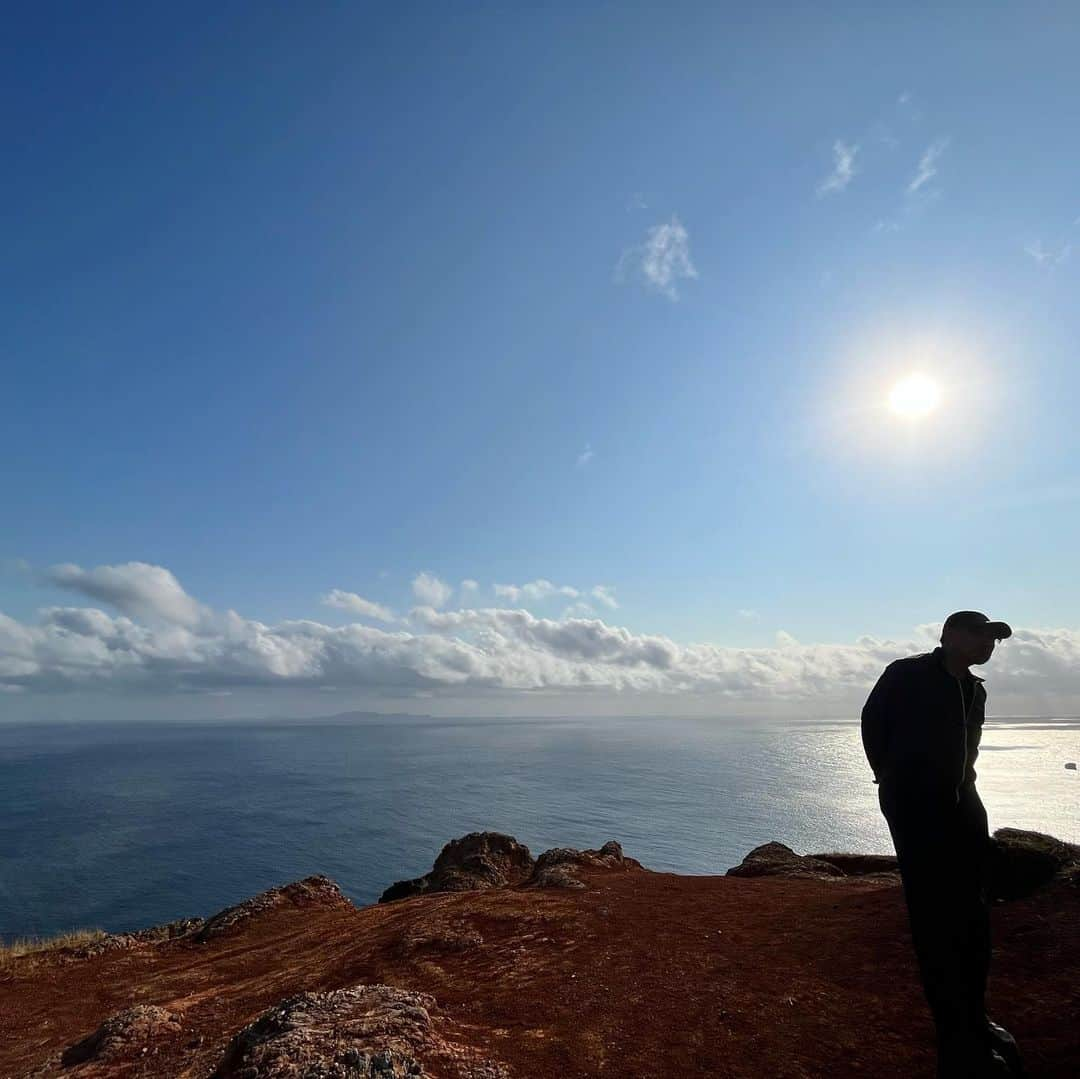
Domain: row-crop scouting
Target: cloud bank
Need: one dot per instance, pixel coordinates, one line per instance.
(181, 645)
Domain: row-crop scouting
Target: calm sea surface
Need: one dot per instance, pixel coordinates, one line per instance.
(122, 825)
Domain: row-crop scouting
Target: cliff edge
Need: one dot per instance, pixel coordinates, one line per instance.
(575, 963)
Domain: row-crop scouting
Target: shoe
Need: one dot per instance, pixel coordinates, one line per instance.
(1004, 1044)
(967, 1056)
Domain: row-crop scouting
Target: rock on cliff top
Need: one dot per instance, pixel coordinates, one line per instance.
(483, 860)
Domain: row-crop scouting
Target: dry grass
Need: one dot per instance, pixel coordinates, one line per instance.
(21, 946)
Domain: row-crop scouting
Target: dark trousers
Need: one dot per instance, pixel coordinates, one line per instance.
(943, 860)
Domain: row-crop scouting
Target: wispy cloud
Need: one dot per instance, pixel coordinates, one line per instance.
(1045, 256)
(661, 261)
(542, 589)
(886, 225)
(365, 608)
(843, 170)
(928, 165)
(585, 456)
(748, 613)
(535, 590)
(605, 594)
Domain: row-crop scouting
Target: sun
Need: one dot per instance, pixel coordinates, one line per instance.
(915, 396)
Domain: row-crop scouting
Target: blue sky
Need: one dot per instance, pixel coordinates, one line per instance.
(296, 301)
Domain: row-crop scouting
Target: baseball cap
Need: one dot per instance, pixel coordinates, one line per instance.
(979, 622)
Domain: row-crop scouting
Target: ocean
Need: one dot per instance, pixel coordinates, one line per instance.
(124, 825)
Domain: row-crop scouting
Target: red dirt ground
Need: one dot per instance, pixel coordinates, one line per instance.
(642, 974)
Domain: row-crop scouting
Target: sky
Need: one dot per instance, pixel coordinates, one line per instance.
(500, 360)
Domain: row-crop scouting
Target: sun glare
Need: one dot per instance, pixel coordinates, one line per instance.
(915, 396)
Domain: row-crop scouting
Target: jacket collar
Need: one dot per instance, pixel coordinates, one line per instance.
(939, 655)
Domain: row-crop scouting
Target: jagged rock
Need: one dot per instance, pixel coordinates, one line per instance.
(859, 865)
(555, 868)
(777, 860)
(1023, 862)
(317, 891)
(182, 927)
(125, 1034)
(364, 1031)
(118, 942)
(556, 876)
(475, 861)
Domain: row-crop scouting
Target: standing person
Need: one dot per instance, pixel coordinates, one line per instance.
(921, 727)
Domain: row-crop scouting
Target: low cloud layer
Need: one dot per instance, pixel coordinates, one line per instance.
(161, 639)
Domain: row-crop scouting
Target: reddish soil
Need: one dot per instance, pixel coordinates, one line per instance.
(641, 974)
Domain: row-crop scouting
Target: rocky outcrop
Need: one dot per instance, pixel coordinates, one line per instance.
(316, 891)
(118, 942)
(482, 860)
(311, 892)
(138, 1031)
(777, 860)
(1023, 862)
(555, 868)
(364, 1031)
(476, 861)
(859, 865)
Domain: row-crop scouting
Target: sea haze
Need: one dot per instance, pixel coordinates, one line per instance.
(123, 825)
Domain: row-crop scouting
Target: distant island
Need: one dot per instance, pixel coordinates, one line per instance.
(498, 964)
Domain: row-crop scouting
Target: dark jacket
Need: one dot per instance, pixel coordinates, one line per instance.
(920, 735)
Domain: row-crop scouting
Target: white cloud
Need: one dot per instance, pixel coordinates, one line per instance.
(585, 456)
(578, 610)
(427, 588)
(748, 613)
(491, 649)
(927, 168)
(1045, 256)
(136, 588)
(469, 585)
(605, 594)
(843, 170)
(662, 260)
(350, 601)
(534, 591)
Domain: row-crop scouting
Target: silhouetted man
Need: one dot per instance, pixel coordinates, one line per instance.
(921, 727)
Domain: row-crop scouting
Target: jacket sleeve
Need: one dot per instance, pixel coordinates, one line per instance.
(877, 719)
